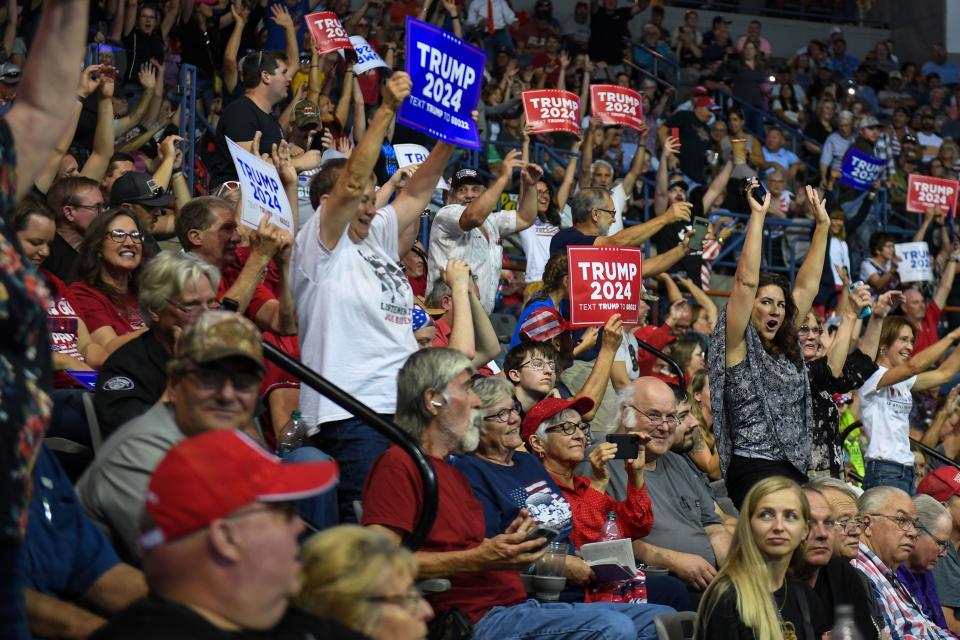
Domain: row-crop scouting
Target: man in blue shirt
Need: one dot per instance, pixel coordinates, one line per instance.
(776, 156)
(66, 558)
(842, 62)
(949, 72)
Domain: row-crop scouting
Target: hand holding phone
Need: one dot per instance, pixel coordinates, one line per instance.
(700, 226)
(628, 445)
(758, 193)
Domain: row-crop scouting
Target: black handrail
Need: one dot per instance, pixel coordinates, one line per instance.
(386, 428)
(677, 369)
(927, 451)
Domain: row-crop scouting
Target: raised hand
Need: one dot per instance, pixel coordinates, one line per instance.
(679, 212)
(148, 76)
(168, 146)
(280, 156)
(510, 162)
(530, 174)
(89, 83)
(396, 90)
(755, 207)
(886, 303)
(281, 17)
(613, 332)
(817, 206)
(601, 455)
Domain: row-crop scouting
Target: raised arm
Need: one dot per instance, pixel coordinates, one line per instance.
(706, 302)
(231, 75)
(148, 79)
(346, 96)
(418, 190)
(527, 208)
(808, 278)
(477, 211)
(41, 113)
(457, 276)
(946, 280)
(637, 234)
(919, 363)
(281, 17)
(171, 9)
(746, 280)
(350, 189)
(569, 176)
(942, 374)
(595, 385)
(840, 347)
(870, 341)
(718, 186)
(636, 165)
(670, 146)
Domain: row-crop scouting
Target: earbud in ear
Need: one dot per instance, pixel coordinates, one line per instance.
(436, 404)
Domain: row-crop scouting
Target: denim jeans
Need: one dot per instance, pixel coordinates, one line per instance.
(13, 610)
(355, 446)
(883, 473)
(572, 621)
(320, 511)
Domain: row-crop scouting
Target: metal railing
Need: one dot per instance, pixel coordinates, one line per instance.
(660, 61)
(188, 121)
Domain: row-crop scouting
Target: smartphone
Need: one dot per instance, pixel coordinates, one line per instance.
(699, 232)
(757, 194)
(628, 445)
(543, 531)
(675, 133)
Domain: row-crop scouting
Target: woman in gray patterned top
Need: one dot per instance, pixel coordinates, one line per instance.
(759, 391)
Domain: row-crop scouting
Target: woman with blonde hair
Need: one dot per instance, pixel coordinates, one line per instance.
(752, 595)
(363, 579)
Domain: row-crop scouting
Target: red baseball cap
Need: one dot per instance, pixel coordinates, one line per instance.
(544, 324)
(942, 484)
(549, 407)
(211, 475)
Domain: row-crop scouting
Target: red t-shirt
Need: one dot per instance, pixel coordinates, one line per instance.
(927, 331)
(442, 339)
(393, 497)
(590, 509)
(261, 294)
(97, 310)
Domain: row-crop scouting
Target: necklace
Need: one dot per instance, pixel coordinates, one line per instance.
(789, 631)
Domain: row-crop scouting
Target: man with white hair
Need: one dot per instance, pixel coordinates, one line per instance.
(943, 485)
(889, 534)
(835, 146)
(437, 406)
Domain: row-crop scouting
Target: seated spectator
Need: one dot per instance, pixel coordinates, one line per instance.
(934, 526)
(651, 39)
(880, 269)
(834, 148)
(467, 228)
(414, 264)
(788, 107)
(435, 405)
(364, 580)
(943, 485)
(139, 192)
(842, 63)
(108, 269)
(927, 136)
(949, 72)
(752, 593)
(889, 535)
(77, 202)
(776, 156)
(73, 575)
(220, 549)
(819, 128)
(174, 289)
(843, 509)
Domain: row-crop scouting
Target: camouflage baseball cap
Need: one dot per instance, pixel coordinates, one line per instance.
(217, 335)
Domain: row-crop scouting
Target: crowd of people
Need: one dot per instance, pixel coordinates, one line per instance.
(765, 459)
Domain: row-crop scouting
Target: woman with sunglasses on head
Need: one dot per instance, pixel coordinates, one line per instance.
(752, 597)
(107, 270)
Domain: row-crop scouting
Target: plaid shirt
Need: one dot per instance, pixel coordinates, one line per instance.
(903, 615)
(884, 150)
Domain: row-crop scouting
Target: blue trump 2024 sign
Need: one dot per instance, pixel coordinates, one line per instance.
(446, 73)
(860, 170)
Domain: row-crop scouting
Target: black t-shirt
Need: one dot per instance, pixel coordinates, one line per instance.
(130, 382)
(240, 121)
(569, 237)
(839, 583)
(201, 47)
(140, 48)
(724, 623)
(61, 259)
(816, 130)
(606, 34)
(694, 143)
(154, 618)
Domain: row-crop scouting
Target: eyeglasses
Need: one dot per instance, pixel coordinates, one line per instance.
(805, 329)
(611, 212)
(903, 522)
(119, 235)
(503, 415)
(209, 379)
(538, 365)
(226, 187)
(99, 207)
(941, 544)
(194, 308)
(847, 524)
(655, 418)
(569, 428)
(410, 600)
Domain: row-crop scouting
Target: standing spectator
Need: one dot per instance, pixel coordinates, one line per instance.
(76, 202)
(535, 239)
(609, 25)
(834, 148)
(927, 136)
(753, 35)
(751, 82)
(144, 34)
(787, 106)
(892, 97)
(925, 314)
(200, 41)
(576, 32)
(949, 72)
(717, 44)
(819, 127)
(494, 19)
(880, 269)
(691, 20)
(694, 135)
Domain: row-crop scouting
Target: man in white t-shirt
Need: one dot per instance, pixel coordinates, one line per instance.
(468, 229)
(354, 303)
(600, 174)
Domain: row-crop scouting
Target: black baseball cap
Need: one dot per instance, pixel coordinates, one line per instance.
(466, 176)
(139, 188)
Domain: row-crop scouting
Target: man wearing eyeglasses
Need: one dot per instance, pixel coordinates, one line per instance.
(76, 201)
(889, 534)
(943, 485)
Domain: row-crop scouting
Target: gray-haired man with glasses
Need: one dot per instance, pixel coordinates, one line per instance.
(943, 485)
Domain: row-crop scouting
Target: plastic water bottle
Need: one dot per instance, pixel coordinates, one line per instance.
(866, 312)
(292, 436)
(844, 627)
(610, 531)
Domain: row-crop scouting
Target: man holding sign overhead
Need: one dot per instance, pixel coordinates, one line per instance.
(354, 303)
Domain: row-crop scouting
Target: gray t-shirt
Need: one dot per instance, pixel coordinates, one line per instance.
(947, 576)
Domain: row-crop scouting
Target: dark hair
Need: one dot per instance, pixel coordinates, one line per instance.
(736, 111)
(30, 205)
(89, 263)
(197, 214)
(117, 157)
(526, 350)
(63, 191)
(786, 341)
(877, 240)
(322, 183)
(554, 271)
(256, 62)
(552, 214)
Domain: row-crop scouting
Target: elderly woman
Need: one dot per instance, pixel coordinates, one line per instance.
(934, 526)
(107, 270)
(174, 289)
(359, 577)
(758, 385)
(555, 432)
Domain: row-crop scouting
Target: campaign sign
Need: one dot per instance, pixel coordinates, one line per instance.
(915, 264)
(367, 58)
(260, 190)
(604, 281)
(613, 104)
(924, 191)
(446, 73)
(551, 110)
(860, 170)
(327, 32)
(408, 154)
